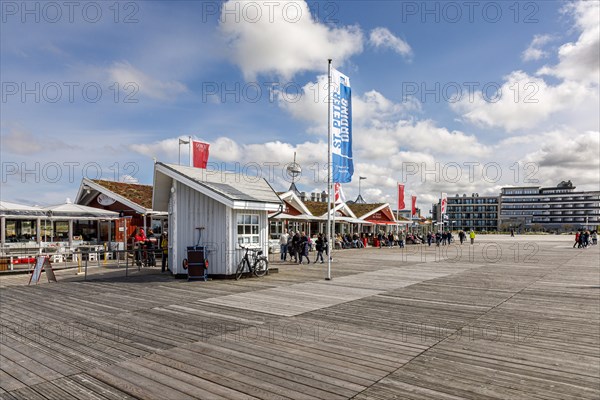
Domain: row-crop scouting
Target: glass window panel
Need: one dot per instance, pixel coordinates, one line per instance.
(247, 219)
(240, 219)
(255, 219)
(255, 229)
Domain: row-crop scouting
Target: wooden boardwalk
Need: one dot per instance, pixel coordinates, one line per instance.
(511, 318)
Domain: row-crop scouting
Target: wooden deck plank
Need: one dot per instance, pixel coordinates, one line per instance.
(300, 378)
(243, 372)
(19, 372)
(108, 392)
(10, 383)
(76, 390)
(136, 385)
(187, 363)
(222, 373)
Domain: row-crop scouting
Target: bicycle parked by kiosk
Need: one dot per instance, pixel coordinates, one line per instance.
(253, 262)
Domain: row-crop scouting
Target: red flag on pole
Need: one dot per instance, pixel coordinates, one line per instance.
(401, 204)
(414, 205)
(444, 203)
(200, 157)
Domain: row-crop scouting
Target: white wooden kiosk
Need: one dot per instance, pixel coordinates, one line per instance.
(231, 207)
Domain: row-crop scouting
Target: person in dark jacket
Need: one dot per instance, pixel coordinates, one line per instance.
(303, 246)
(294, 247)
(320, 246)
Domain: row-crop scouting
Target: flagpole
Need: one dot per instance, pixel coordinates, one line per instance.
(397, 208)
(329, 242)
(333, 211)
(191, 151)
(179, 149)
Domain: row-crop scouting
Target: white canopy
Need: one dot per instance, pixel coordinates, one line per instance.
(301, 217)
(77, 211)
(19, 210)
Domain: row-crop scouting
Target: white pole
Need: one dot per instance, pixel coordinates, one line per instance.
(191, 152)
(333, 214)
(329, 242)
(2, 231)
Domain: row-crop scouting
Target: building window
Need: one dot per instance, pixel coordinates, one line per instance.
(276, 229)
(20, 230)
(248, 229)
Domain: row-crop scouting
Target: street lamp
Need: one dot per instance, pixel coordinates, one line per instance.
(359, 199)
(360, 178)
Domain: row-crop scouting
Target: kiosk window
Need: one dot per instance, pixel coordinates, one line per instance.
(248, 229)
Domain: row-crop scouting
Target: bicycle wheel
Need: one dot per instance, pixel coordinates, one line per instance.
(240, 269)
(261, 267)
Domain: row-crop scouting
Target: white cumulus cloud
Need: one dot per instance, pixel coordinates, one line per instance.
(382, 37)
(282, 38)
(126, 74)
(535, 50)
(580, 61)
(524, 102)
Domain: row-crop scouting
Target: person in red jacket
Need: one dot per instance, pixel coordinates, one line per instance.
(139, 239)
(576, 239)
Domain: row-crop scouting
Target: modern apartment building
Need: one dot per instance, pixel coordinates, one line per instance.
(522, 208)
(465, 212)
(559, 208)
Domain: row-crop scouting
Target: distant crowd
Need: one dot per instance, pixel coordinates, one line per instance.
(582, 239)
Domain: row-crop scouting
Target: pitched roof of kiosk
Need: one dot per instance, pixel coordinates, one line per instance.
(362, 209)
(232, 186)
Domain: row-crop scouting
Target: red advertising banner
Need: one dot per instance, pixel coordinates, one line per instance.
(444, 203)
(414, 206)
(401, 204)
(339, 196)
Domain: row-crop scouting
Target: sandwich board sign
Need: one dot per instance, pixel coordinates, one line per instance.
(42, 262)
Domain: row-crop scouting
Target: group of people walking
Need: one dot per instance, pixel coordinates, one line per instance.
(298, 245)
(444, 238)
(582, 239)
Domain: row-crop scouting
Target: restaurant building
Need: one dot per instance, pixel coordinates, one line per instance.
(132, 201)
(377, 216)
(295, 216)
(59, 230)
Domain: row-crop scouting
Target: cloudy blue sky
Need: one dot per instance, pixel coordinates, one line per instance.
(458, 97)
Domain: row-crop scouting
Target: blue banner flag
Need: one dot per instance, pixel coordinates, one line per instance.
(341, 128)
